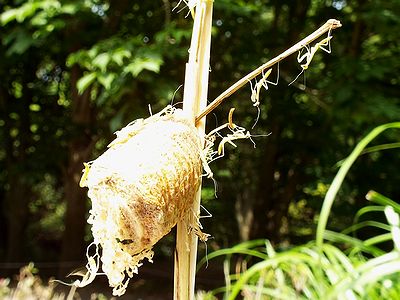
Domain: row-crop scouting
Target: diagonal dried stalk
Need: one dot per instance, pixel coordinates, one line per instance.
(329, 25)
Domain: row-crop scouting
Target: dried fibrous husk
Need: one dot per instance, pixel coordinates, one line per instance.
(140, 187)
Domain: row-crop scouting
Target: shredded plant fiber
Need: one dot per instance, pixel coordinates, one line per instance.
(140, 188)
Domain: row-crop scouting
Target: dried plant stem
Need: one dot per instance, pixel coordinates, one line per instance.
(194, 100)
(329, 25)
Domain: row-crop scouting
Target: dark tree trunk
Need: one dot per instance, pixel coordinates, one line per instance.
(245, 198)
(80, 148)
(18, 193)
(264, 207)
(244, 213)
(17, 200)
(357, 35)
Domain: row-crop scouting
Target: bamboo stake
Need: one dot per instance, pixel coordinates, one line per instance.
(194, 100)
(329, 25)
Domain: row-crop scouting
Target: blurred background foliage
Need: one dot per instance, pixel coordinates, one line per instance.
(73, 72)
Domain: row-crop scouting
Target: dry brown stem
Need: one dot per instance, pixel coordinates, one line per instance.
(329, 25)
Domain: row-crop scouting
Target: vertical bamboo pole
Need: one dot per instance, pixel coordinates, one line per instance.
(194, 101)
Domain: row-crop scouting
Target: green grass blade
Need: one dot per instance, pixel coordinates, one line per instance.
(381, 147)
(365, 210)
(378, 239)
(289, 256)
(370, 272)
(338, 180)
(250, 244)
(358, 226)
(277, 294)
(382, 200)
(333, 252)
(371, 242)
(231, 251)
(343, 238)
(372, 149)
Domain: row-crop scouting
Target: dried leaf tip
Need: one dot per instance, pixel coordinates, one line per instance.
(333, 23)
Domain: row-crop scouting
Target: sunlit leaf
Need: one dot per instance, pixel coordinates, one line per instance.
(84, 82)
(69, 8)
(119, 55)
(8, 16)
(27, 10)
(140, 64)
(106, 80)
(101, 61)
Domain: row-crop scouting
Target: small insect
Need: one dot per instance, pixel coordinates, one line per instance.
(240, 134)
(255, 92)
(237, 133)
(262, 83)
(310, 52)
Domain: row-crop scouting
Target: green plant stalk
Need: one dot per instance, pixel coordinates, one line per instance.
(366, 210)
(372, 149)
(284, 257)
(355, 227)
(378, 239)
(238, 249)
(382, 200)
(338, 180)
(331, 251)
(381, 147)
(356, 243)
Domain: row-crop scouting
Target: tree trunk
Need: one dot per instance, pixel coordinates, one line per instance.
(17, 200)
(80, 148)
(18, 192)
(265, 197)
(274, 224)
(244, 213)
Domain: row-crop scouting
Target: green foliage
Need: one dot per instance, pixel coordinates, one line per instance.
(338, 180)
(124, 55)
(357, 269)
(110, 62)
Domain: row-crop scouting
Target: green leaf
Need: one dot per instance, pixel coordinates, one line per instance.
(69, 9)
(80, 57)
(22, 42)
(116, 121)
(101, 61)
(84, 82)
(27, 10)
(141, 63)
(106, 80)
(40, 19)
(119, 55)
(8, 16)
